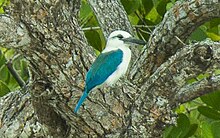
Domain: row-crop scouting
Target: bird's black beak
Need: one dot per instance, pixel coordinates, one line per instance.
(132, 40)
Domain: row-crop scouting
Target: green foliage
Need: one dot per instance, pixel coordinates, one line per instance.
(209, 112)
(88, 20)
(215, 128)
(183, 129)
(212, 100)
(131, 5)
(198, 35)
(205, 130)
(94, 35)
(3, 88)
(7, 81)
(204, 112)
(140, 12)
(147, 6)
(3, 3)
(210, 29)
(145, 13)
(161, 6)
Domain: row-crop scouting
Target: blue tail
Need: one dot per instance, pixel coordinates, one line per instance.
(81, 100)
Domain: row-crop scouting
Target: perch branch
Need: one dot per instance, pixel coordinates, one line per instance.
(180, 21)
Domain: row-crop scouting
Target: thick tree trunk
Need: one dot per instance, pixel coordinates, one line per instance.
(49, 36)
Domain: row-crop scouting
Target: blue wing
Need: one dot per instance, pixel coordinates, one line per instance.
(104, 65)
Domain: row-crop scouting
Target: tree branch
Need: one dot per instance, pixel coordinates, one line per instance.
(58, 57)
(197, 89)
(17, 117)
(180, 21)
(168, 86)
(14, 73)
(12, 34)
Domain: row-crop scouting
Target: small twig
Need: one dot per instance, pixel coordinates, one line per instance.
(188, 110)
(142, 37)
(180, 40)
(134, 26)
(13, 72)
(144, 26)
(90, 28)
(199, 103)
(143, 21)
(141, 18)
(145, 31)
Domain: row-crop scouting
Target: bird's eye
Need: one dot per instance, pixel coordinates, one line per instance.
(120, 36)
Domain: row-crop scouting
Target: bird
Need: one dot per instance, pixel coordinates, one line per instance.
(111, 64)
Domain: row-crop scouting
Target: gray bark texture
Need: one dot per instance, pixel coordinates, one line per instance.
(49, 36)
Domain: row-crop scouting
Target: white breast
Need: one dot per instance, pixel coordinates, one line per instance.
(122, 68)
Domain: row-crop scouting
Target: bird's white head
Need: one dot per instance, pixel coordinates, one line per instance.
(122, 38)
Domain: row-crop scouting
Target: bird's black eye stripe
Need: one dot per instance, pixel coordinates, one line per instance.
(120, 36)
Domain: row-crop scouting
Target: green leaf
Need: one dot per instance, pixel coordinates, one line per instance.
(190, 81)
(9, 54)
(153, 16)
(24, 70)
(130, 5)
(20, 65)
(2, 4)
(161, 7)
(192, 130)
(3, 89)
(212, 100)
(12, 84)
(148, 5)
(205, 130)
(85, 10)
(214, 23)
(184, 124)
(198, 35)
(209, 112)
(169, 6)
(94, 39)
(1, 10)
(133, 18)
(179, 131)
(175, 133)
(181, 109)
(2, 59)
(167, 132)
(213, 36)
(213, 30)
(202, 76)
(4, 74)
(215, 128)
(217, 72)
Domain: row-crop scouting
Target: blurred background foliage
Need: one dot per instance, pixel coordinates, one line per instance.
(197, 118)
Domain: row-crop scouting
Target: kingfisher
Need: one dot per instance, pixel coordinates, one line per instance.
(111, 64)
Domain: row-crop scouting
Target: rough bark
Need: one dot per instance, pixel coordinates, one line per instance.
(48, 35)
(179, 22)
